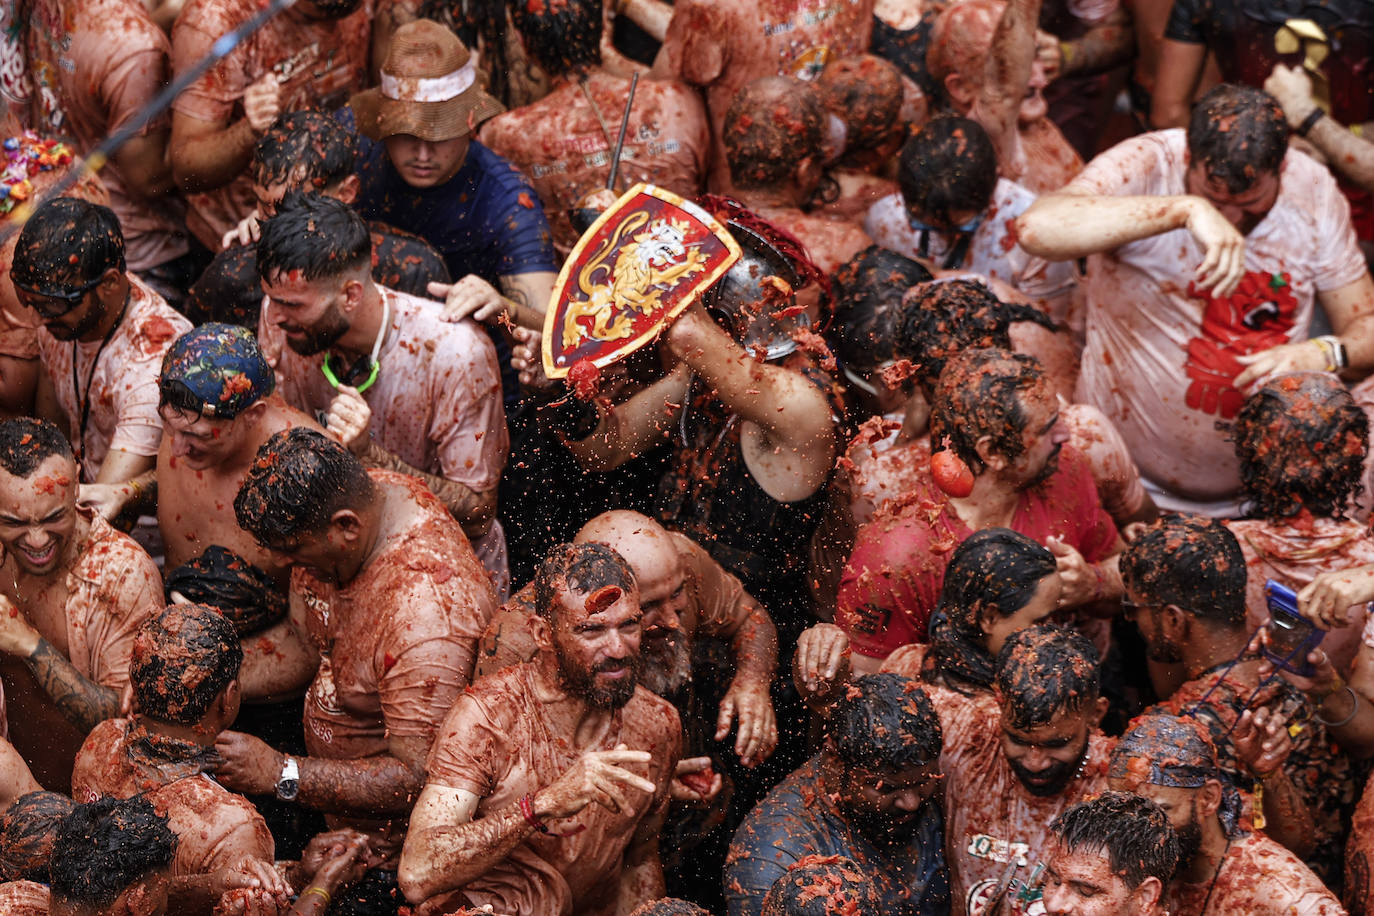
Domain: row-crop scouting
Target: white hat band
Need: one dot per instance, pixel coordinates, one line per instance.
(429, 89)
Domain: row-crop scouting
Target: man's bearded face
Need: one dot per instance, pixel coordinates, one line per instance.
(1047, 758)
(598, 652)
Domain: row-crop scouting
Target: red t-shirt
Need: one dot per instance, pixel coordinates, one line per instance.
(892, 582)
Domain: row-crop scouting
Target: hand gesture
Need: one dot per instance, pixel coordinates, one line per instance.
(106, 499)
(323, 845)
(262, 103)
(471, 297)
(1261, 741)
(1293, 89)
(1080, 581)
(693, 788)
(1327, 600)
(244, 901)
(749, 702)
(1050, 54)
(248, 764)
(1223, 265)
(821, 661)
(527, 357)
(247, 232)
(1305, 355)
(596, 777)
(344, 863)
(350, 418)
(1324, 681)
(251, 873)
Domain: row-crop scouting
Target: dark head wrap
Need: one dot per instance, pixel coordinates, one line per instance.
(246, 595)
(1175, 753)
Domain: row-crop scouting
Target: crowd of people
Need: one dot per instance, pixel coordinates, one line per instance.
(985, 529)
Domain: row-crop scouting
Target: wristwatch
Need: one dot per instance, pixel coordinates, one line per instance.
(289, 782)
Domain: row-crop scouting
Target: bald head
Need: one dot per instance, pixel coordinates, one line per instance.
(643, 542)
(651, 552)
(774, 125)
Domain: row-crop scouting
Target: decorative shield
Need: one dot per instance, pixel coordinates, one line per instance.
(644, 261)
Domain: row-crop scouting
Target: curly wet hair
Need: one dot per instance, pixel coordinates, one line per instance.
(1301, 441)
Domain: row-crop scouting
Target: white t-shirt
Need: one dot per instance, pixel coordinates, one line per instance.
(994, 251)
(1159, 359)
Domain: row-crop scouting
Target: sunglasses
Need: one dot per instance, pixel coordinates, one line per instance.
(52, 303)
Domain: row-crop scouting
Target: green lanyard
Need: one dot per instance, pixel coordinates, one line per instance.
(372, 359)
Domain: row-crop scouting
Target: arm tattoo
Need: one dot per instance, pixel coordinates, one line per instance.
(514, 293)
(84, 702)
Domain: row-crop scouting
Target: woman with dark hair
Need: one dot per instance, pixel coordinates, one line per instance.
(1302, 441)
(998, 583)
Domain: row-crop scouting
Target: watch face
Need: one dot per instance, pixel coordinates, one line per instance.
(287, 789)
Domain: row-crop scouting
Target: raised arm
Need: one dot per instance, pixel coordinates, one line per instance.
(1351, 155)
(629, 429)
(1006, 74)
(1107, 44)
(791, 411)
(1069, 224)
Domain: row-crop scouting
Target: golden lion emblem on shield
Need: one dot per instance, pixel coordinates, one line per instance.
(652, 261)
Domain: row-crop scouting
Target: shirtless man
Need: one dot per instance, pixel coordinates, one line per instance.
(184, 682)
(387, 604)
(74, 593)
(402, 388)
(982, 53)
(685, 596)
(774, 134)
(563, 142)
(722, 45)
(218, 406)
(1206, 252)
(1113, 856)
(1223, 867)
(537, 799)
(103, 336)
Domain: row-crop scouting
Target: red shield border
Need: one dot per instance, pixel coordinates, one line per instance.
(603, 309)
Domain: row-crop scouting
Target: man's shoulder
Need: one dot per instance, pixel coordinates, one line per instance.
(1275, 880)
(1306, 184)
(151, 324)
(498, 172)
(24, 898)
(136, 33)
(109, 554)
(1011, 198)
(439, 340)
(1159, 157)
(210, 800)
(792, 816)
